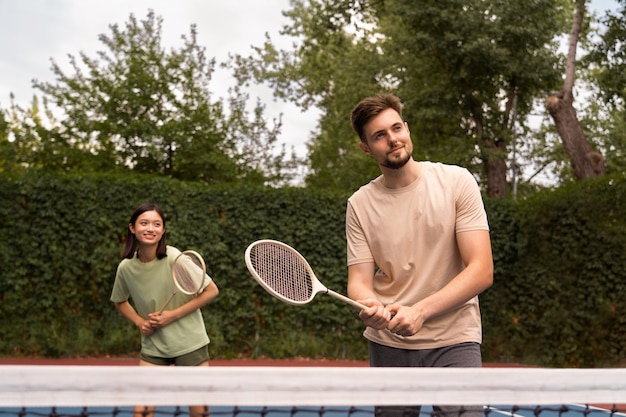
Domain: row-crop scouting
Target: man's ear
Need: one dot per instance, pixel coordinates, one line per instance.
(365, 148)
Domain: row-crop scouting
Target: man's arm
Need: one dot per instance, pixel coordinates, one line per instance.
(477, 276)
(361, 288)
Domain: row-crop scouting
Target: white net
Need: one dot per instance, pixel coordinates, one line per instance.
(24, 387)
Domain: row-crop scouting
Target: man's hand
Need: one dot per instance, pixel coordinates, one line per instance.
(406, 321)
(375, 315)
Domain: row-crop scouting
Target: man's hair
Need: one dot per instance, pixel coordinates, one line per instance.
(370, 107)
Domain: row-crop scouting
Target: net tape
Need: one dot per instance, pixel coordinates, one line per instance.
(87, 386)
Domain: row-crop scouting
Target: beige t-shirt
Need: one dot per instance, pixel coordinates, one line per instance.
(410, 235)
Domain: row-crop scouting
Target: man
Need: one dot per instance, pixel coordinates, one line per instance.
(419, 251)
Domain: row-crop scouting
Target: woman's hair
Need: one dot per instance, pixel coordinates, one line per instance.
(370, 107)
(131, 240)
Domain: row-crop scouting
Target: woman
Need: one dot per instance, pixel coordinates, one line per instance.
(177, 336)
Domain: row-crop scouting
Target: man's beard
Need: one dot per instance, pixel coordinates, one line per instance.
(396, 163)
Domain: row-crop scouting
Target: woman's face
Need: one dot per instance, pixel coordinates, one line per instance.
(148, 228)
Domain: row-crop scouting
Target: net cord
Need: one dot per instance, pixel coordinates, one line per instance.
(87, 386)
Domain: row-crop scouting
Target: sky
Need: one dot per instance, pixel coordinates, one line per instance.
(35, 31)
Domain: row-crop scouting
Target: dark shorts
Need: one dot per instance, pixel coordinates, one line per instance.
(194, 358)
(463, 355)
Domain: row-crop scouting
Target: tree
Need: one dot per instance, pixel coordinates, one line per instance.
(463, 65)
(140, 106)
(330, 68)
(585, 161)
(32, 140)
(607, 59)
(5, 145)
(458, 66)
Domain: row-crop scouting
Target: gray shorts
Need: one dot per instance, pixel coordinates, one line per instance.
(463, 355)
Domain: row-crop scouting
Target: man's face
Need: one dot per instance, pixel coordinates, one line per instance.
(388, 140)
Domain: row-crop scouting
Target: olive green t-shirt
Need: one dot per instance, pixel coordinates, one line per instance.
(148, 286)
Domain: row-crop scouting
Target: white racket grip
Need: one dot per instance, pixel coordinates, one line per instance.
(346, 299)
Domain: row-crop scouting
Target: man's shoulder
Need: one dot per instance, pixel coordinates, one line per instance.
(440, 167)
(365, 189)
(441, 173)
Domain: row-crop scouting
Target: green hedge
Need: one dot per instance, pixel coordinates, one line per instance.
(61, 239)
(560, 292)
(558, 297)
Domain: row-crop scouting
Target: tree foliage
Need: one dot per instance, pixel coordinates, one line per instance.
(142, 107)
(607, 60)
(34, 141)
(461, 68)
(471, 66)
(609, 56)
(330, 68)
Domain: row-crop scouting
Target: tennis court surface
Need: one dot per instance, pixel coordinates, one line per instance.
(307, 391)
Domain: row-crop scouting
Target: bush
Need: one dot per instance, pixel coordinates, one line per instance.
(558, 298)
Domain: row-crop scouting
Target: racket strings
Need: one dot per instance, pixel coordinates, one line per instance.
(282, 271)
(188, 273)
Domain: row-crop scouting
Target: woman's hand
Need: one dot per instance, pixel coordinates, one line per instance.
(159, 320)
(146, 328)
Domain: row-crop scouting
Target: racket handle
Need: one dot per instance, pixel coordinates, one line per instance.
(346, 299)
(166, 303)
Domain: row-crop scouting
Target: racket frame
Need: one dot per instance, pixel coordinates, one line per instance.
(316, 285)
(178, 288)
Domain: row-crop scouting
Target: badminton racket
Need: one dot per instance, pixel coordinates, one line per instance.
(188, 273)
(284, 273)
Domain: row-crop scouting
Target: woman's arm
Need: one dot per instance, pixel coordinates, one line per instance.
(144, 326)
(161, 320)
